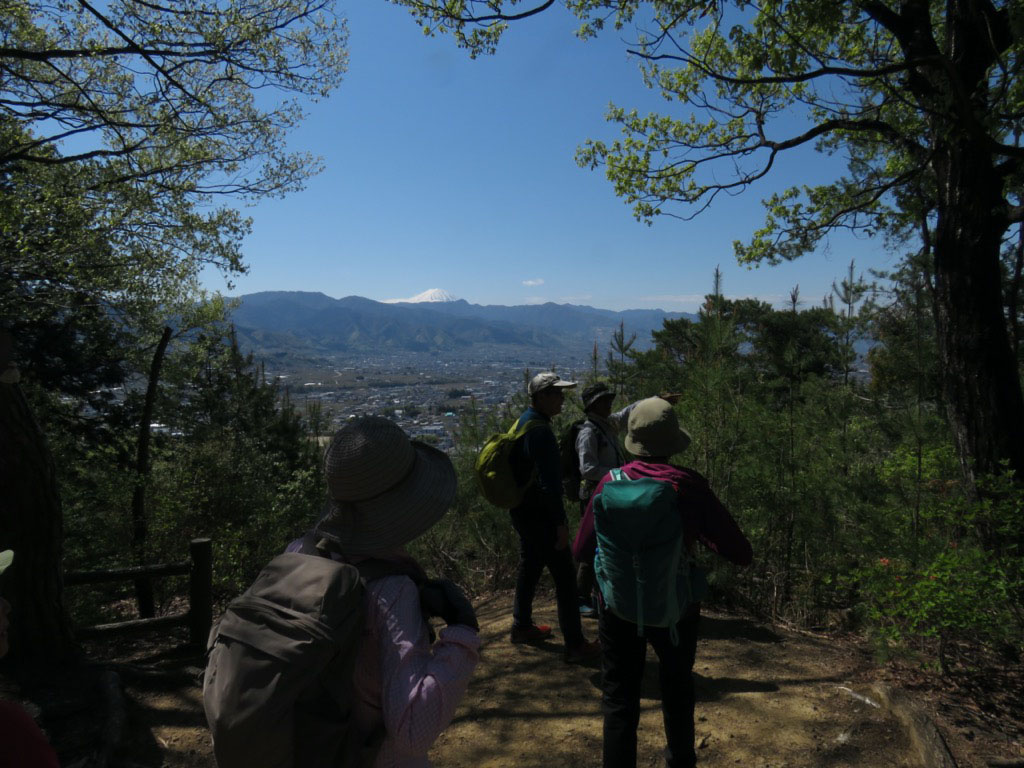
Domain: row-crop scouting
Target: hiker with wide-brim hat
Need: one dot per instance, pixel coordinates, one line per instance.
(385, 490)
(654, 437)
(597, 453)
(22, 743)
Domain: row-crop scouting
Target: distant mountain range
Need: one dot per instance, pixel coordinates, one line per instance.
(304, 326)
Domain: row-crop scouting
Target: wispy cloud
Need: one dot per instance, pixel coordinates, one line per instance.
(533, 282)
(576, 299)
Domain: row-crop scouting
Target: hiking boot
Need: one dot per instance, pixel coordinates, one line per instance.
(588, 650)
(530, 634)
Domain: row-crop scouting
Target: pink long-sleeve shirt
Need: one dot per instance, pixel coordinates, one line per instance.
(404, 682)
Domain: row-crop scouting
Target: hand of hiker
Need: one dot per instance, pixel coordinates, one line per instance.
(441, 597)
(562, 537)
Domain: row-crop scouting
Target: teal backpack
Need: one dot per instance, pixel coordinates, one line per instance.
(641, 565)
(494, 472)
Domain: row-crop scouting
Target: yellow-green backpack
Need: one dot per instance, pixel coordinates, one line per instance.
(494, 472)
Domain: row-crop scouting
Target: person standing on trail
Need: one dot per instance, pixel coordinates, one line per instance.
(541, 524)
(654, 436)
(598, 452)
(386, 490)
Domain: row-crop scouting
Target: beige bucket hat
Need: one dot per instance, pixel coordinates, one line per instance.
(654, 429)
(385, 489)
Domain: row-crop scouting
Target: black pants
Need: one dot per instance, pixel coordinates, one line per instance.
(585, 581)
(623, 653)
(537, 551)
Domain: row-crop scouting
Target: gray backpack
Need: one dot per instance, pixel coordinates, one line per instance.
(278, 686)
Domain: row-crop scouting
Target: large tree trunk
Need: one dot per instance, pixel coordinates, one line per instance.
(32, 524)
(979, 369)
(144, 587)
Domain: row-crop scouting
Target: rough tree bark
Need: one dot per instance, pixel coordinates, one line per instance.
(979, 368)
(144, 587)
(32, 524)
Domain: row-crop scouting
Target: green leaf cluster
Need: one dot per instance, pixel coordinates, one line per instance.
(956, 581)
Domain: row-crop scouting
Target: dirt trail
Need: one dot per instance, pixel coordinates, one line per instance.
(765, 699)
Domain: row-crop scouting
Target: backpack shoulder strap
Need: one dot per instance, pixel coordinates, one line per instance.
(602, 436)
(369, 569)
(376, 569)
(518, 431)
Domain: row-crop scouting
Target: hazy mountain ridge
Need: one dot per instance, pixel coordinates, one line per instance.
(312, 325)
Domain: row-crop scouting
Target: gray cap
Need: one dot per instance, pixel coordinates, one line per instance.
(547, 380)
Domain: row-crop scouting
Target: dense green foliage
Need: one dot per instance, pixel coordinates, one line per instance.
(232, 461)
(165, 94)
(947, 587)
(127, 129)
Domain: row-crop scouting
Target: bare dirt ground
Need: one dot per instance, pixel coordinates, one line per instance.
(766, 698)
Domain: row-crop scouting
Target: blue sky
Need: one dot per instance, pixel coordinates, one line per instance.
(445, 172)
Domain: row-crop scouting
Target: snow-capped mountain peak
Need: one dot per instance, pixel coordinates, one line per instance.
(431, 295)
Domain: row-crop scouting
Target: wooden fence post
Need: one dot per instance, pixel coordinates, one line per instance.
(200, 599)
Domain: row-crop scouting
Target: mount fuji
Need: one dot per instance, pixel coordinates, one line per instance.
(431, 295)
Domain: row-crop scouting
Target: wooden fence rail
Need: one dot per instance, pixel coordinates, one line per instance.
(199, 616)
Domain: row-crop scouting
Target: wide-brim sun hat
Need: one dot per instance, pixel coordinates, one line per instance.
(654, 429)
(385, 489)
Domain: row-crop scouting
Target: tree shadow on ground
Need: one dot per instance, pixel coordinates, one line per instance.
(728, 628)
(158, 683)
(706, 688)
(140, 744)
(165, 695)
(90, 718)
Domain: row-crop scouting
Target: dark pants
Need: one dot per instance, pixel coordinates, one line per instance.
(623, 653)
(585, 581)
(536, 552)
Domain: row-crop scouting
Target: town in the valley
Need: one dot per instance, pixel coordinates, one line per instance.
(425, 395)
